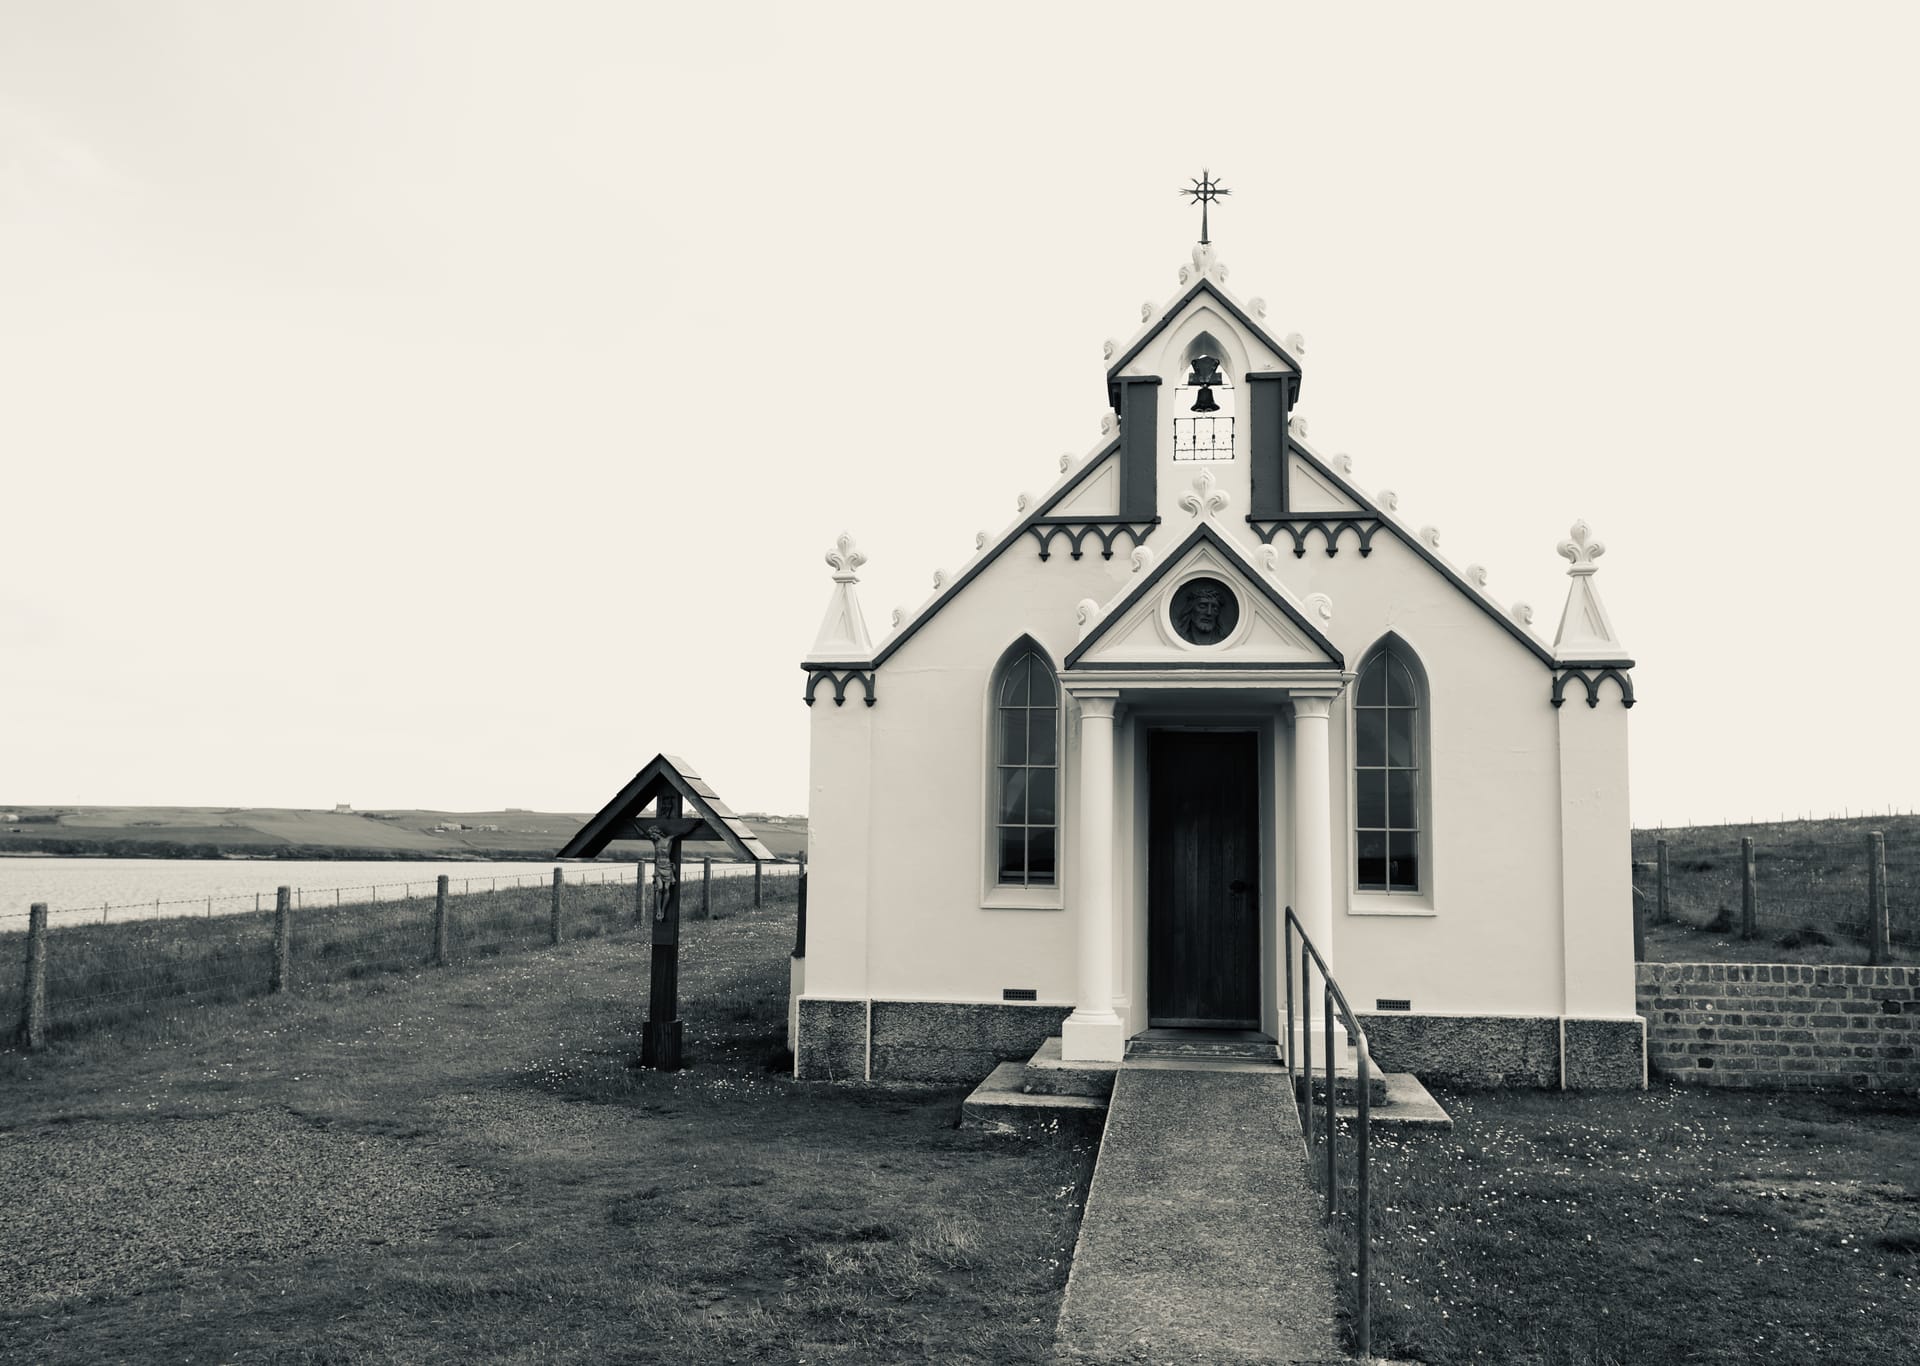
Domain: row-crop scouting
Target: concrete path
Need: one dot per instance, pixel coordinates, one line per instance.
(1202, 1239)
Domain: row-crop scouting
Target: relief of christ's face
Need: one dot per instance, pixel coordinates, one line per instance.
(1205, 612)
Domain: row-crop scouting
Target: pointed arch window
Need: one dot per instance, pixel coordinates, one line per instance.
(1026, 769)
(1389, 770)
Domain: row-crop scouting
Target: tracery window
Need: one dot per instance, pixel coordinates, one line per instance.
(1388, 740)
(1026, 718)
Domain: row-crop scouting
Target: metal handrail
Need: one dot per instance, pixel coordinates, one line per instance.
(1302, 1067)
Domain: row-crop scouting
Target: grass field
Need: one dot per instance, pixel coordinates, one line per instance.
(1678, 1225)
(1807, 874)
(139, 978)
(462, 1166)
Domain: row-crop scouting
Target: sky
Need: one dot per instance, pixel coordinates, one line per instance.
(449, 405)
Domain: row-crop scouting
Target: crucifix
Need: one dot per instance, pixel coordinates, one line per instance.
(666, 803)
(1205, 191)
(666, 828)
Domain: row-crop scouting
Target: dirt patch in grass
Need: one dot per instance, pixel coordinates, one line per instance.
(1674, 1225)
(523, 1192)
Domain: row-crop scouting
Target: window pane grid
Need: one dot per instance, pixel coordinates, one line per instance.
(1387, 779)
(1025, 774)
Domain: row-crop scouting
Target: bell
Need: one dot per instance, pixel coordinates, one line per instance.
(1206, 374)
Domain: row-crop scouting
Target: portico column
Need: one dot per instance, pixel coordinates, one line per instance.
(1094, 1032)
(1313, 821)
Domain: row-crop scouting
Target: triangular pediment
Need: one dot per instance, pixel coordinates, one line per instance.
(1098, 495)
(1157, 623)
(1310, 491)
(1205, 297)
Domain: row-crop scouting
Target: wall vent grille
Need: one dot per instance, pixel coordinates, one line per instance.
(1392, 1003)
(1019, 994)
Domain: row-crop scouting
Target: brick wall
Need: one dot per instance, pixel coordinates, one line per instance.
(1782, 1024)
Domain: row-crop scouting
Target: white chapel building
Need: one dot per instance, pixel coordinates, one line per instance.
(1202, 679)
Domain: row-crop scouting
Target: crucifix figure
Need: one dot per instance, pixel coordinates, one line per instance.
(664, 872)
(1204, 192)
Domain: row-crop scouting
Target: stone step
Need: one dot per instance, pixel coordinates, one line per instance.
(1153, 1044)
(1047, 1075)
(1408, 1103)
(1346, 1086)
(1002, 1105)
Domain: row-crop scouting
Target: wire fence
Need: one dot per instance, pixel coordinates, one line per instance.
(132, 974)
(1807, 875)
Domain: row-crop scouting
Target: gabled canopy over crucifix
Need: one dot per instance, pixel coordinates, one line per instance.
(682, 808)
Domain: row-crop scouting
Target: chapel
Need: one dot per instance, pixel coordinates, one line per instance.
(1200, 680)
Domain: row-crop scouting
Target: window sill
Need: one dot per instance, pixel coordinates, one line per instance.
(1382, 903)
(1021, 899)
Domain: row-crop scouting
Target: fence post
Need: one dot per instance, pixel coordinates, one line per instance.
(639, 893)
(1639, 926)
(756, 886)
(1747, 910)
(440, 923)
(1877, 898)
(800, 912)
(706, 889)
(33, 1016)
(282, 940)
(1661, 913)
(553, 933)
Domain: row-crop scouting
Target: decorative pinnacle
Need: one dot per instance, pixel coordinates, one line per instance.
(843, 559)
(1582, 550)
(1205, 191)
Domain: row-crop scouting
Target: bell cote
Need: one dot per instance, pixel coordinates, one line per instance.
(1203, 385)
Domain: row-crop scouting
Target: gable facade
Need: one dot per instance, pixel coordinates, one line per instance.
(1436, 791)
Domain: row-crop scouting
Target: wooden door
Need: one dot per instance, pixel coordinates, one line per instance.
(1203, 880)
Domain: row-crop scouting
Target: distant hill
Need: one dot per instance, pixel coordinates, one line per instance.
(279, 832)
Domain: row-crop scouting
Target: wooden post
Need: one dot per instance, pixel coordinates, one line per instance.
(639, 893)
(440, 923)
(660, 1036)
(706, 889)
(1877, 898)
(1639, 926)
(553, 931)
(1748, 927)
(800, 915)
(33, 1015)
(1661, 911)
(282, 941)
(756, 886)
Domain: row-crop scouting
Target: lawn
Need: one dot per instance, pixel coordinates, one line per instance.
(1668, 1226)
(461, 1165)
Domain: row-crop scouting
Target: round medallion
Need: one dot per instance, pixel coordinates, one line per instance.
(1205, 611)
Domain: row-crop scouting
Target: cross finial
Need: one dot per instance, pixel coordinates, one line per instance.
(1204, 192)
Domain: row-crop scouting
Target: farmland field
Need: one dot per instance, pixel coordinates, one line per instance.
(208, 831)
